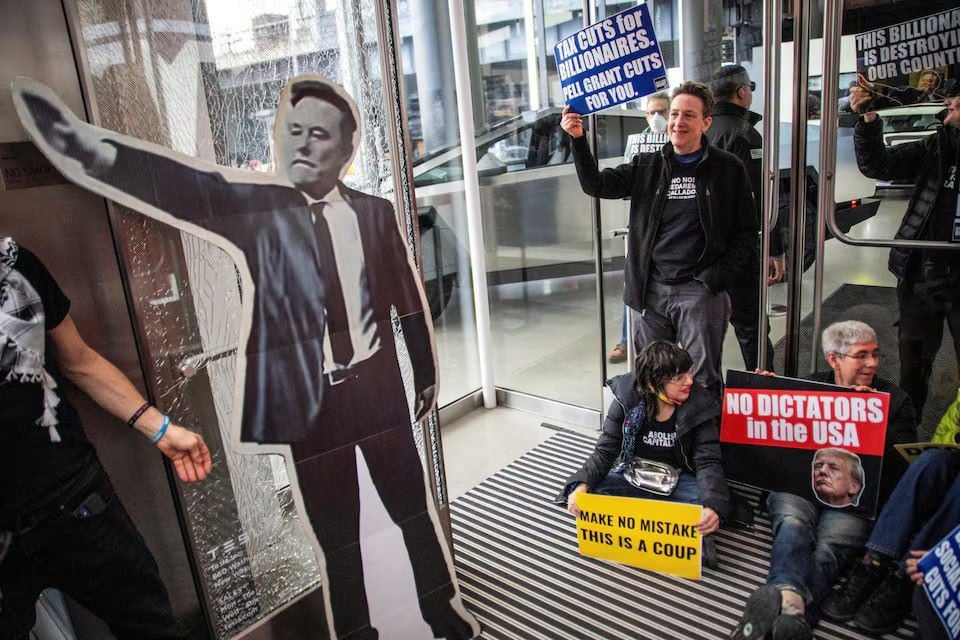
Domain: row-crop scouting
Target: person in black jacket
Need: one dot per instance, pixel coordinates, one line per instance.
(928, 280)
(659, 414)
(733, 130)
(692, 229)
(813, 543)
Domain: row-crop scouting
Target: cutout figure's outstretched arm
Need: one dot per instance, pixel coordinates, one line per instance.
(152, 179)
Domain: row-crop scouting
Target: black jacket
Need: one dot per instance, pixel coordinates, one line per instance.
(724, 198)
(697, 443)
(901, 429)
(733, 130)
(923, 162)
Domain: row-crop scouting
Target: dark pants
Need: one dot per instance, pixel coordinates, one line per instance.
(744, 318)
(100, 561)
(920, 333)
(375, 399)
(690, 315)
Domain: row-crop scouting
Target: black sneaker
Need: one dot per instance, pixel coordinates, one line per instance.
(761, 610)
(887, 606)
(791, 626)
(842, 603)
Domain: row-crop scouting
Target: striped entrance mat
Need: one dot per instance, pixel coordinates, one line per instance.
(521, 574)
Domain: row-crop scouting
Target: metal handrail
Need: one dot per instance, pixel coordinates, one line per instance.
(630, 347)
(771, 156)
(798, 183)
(832, 18)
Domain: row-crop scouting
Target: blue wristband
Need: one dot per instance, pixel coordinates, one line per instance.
(163, 429)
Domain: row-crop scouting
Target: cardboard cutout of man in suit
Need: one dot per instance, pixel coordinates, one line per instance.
(322, 267)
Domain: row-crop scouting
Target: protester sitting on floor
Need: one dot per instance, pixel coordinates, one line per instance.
(660, 414)
(923, 508)
(813, 543)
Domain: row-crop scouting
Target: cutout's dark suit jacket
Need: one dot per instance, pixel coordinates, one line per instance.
(272, 225)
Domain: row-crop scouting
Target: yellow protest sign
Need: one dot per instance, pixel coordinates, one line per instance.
(911, 451)
(649, 534)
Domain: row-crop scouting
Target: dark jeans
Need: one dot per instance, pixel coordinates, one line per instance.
(920, 333)
(744, 318)
(811, 547)
(923, 508)
(100, 561)
(690, 315)
(328, 484)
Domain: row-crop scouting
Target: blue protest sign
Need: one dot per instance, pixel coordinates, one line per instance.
(941, 581)
(611, 62)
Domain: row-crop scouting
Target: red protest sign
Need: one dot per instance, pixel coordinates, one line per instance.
(801, 419)
(818, 441)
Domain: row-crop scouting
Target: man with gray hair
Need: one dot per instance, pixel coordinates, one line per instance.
(814, 543)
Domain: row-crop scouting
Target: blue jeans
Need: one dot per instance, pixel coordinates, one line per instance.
(614, 485)
(811, 546)
(923, 508)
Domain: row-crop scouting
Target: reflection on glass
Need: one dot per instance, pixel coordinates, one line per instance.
(427, 60)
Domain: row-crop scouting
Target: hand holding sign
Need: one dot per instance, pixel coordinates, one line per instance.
(913, 568)
(709, 523)
(860, 98)
(572, 506)
(572, 122)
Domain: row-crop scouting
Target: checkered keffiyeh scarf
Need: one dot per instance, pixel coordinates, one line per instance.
(22, 335)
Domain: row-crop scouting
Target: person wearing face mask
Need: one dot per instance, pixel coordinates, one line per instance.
(659, 414)
(733, 130)
(692, 230)
(650, 141)
(928, 288)
(813, 542)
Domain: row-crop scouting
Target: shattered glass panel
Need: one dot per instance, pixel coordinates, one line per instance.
(202, 77)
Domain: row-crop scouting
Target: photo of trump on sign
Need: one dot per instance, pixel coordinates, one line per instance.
(838, 478)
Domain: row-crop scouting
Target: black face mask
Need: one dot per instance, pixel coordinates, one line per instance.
(941, 115)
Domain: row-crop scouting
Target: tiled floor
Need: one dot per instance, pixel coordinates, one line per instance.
(480, 444)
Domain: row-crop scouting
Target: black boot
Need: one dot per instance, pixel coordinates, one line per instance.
(761, 611)
(863, 578)
(887, 606)
(791, 626)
